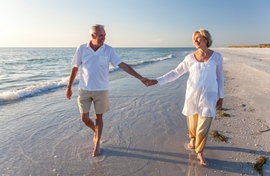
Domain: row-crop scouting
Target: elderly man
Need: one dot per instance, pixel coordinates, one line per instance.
(94, 58)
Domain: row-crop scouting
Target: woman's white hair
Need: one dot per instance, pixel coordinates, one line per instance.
(206, 34)
(93, 29)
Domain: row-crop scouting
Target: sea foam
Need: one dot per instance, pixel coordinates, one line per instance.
(32, 90)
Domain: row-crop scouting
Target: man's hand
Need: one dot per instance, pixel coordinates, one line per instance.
(72, 76)
(152, 82)
(68, 93)
(145, 81)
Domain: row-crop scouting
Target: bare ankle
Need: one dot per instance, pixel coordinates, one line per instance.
(191, 143)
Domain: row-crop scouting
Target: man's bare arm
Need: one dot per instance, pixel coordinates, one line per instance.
(72, 77)
(132, 72)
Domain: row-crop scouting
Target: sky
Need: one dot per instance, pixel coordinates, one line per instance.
(133, 23)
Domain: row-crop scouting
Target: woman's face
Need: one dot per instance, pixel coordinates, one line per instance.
(199, 41)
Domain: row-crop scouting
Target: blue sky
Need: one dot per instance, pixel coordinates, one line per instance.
(133, 23)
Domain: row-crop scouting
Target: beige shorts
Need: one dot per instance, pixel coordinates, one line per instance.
(99, 98)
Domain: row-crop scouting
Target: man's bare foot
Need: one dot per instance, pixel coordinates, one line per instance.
(191, 143)
(96, 151)
(202, 162)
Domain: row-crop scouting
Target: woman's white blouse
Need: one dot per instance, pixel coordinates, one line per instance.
(205, 84)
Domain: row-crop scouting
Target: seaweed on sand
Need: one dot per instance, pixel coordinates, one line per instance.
(223, 114)
(218, 136)
(258, 165)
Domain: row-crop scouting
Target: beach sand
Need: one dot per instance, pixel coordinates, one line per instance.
(144, 133)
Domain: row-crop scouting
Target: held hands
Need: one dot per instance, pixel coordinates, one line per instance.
(152, 82)
(147, 82)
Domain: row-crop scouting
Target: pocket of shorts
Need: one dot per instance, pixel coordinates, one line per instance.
(103, 60)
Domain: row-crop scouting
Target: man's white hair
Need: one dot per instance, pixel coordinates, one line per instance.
(93, 29)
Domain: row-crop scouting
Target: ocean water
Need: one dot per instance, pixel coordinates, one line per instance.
(28, 72)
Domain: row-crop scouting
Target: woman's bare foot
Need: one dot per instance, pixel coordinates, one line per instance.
(203, 162)
(191, 143)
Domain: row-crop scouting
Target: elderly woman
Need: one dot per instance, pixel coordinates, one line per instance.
(205, 89)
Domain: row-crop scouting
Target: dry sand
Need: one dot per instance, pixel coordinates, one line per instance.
(247, 93)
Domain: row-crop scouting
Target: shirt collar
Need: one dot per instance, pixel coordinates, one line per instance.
(88, 45)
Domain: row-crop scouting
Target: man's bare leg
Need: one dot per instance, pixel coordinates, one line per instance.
(98, 132)
(89, 123)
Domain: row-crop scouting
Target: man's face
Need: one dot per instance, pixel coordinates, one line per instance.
(100, 37)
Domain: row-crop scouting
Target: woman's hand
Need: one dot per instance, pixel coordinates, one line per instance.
(219, 104)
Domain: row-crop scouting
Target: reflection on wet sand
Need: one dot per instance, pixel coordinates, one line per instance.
(193, 164)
